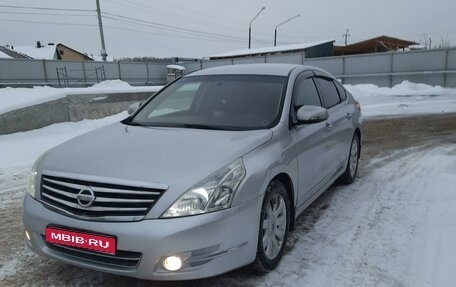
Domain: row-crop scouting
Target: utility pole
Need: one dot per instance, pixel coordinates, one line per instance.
(100, 25)
(346, 35)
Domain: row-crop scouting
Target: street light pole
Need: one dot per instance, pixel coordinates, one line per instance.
(100, 25)
(275, 31)
(250, 25)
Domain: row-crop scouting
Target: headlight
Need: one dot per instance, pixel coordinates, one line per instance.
(213, 193)
(32, 176)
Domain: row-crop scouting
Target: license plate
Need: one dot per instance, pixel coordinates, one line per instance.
(82, 240)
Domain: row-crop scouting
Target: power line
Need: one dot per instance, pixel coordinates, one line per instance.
(46, 14)
(187, 33)
(175, 29)
(217, 17)
(157, 11)
(112, 27)
(169, 35)
(171, 28)
(198, 21)
(182, 35)
(46, 8)
(47, 22)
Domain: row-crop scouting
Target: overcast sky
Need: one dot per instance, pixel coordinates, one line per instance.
(204, 27)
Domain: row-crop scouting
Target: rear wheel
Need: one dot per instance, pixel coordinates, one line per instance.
(352, 165)
(274, 225)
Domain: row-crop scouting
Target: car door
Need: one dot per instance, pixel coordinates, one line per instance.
(346, 111)
(310, 140)
(336, 125)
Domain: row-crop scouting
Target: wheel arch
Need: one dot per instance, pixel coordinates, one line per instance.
(358, 132)
(286, 180)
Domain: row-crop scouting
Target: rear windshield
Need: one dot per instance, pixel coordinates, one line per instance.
(231, 102)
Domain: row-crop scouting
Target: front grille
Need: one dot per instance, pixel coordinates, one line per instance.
(122, 259)
(113, 202)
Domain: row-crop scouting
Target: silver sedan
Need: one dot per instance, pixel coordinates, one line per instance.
(206, 176)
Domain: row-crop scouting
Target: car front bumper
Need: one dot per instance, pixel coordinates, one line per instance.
(209, 244)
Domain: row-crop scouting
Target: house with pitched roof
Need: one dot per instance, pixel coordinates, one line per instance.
(50, 51)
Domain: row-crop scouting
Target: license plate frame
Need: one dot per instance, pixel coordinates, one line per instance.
(84, 240)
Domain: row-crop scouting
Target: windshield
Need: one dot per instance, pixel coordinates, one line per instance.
(231, 102)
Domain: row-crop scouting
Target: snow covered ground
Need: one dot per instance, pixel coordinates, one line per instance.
(16, 98)
(21, 149)
(404, 99)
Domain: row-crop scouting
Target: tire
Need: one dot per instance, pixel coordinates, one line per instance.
(272, 239)
(351, 170)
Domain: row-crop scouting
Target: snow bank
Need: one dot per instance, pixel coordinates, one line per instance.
(16, 98)
(406, 98)
(111, 84)
(405, 88)
(21, 149)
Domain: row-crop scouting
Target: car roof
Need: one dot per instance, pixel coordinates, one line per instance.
(249, 69)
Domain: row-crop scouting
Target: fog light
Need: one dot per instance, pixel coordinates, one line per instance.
(172, 263)
(27, 235)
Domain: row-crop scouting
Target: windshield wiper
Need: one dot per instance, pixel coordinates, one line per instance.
(130, 122)
(187, 126)
(202, 127)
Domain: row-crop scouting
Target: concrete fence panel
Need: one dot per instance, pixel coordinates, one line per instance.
(192, 66)
(434, 67)
(428, 60)
(334, 65)
(111, 71)
(285, 58)
(366, 64)
(156, 74)
(252, 60)
(451, 59)
(133, 72)
(215, 63)
(22, 71)
(74, 71)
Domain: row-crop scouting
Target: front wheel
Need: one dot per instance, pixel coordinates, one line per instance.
(349, 175)
(274, 225)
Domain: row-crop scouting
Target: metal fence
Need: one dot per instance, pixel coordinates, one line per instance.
(433, 67)
(19, 72)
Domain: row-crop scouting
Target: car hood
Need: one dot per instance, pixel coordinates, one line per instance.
(151, 154)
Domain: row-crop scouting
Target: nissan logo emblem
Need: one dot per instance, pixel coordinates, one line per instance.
(85, 197)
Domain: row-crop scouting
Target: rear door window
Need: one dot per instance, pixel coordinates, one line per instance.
(328, 92)
(341, 90)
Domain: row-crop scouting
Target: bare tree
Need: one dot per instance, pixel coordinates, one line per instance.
(445, 42)
(426, 41)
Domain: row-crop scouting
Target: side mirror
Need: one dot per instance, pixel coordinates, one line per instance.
(133, 107)
(311, 114)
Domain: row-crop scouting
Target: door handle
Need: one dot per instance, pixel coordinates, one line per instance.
(328, 127)
(349, 116)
